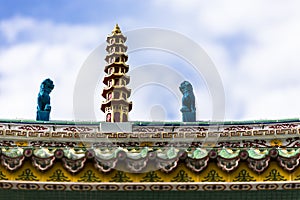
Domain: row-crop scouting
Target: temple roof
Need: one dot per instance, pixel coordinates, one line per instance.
(205, 155)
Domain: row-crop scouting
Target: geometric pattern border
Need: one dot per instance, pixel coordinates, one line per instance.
(167, 186)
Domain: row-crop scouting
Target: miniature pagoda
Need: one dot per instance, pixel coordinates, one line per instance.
(116, 106)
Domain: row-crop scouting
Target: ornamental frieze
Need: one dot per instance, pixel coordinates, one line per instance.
(138, 159)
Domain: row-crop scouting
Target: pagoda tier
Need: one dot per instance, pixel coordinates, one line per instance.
(114, 45)
(116, 66)
(117, 92)
(115, 103)
(116, 106)
(116, 76)
(116, 57)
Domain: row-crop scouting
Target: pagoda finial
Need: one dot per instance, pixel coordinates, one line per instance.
(116, 105)
(116, 29)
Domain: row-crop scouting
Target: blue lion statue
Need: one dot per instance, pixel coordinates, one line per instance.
(43, 100)
(188, 108)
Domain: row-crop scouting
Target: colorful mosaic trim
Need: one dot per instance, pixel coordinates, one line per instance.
(138, 160)
(64, 186)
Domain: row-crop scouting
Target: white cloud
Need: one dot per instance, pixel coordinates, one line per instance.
(261, 81)
(11, 28)
(49, 50)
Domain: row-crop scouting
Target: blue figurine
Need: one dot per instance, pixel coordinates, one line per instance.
(188, 102)
(43, 107)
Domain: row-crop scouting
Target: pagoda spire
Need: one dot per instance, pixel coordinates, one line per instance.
(116, 105)
(116, 30)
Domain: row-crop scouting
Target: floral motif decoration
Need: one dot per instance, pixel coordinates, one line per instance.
(274, 175)
(182, 176)
(27, 175)
(58, 176)
(243, 176)
(89, 176)
(151, 177)
(120, 177)
(213, 176)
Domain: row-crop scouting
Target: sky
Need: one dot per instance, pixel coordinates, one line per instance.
(250, 47)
